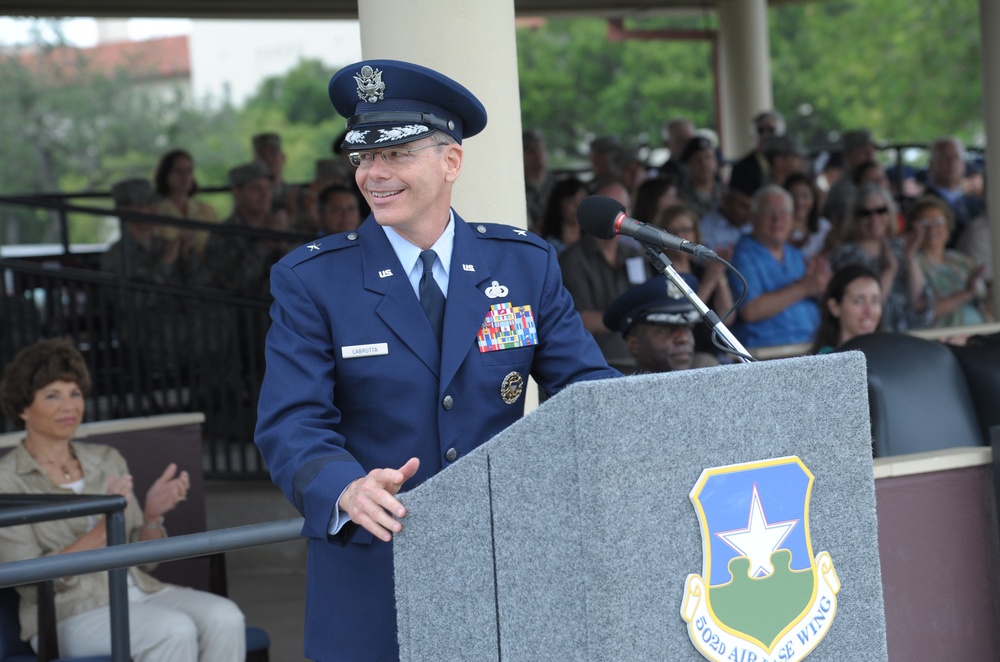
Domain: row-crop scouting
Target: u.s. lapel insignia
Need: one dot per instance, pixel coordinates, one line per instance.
(468, 267)
(385, 273)
(313, 246)
(762, 594)
(511, 388)
(496, 291)
(370, 85)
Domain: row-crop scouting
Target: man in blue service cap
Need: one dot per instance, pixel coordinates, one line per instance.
(657, 322)
(397, 348)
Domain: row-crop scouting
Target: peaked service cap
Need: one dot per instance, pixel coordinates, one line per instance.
(657, 301)
(389, 102)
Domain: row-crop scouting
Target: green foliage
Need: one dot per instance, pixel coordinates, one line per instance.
(300, 94)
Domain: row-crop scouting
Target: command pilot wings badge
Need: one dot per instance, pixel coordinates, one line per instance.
(762, 596)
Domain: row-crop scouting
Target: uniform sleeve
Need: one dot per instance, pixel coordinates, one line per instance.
(566, 351)
(296, 413)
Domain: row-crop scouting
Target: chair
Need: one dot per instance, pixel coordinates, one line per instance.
(980, 361)
(12, 649)
(917, 394)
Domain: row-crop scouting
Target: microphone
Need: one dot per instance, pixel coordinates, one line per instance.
(604, 217)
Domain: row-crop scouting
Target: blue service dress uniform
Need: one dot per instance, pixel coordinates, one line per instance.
(356, 380)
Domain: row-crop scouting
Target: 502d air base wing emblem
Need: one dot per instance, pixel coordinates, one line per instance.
(762, 596)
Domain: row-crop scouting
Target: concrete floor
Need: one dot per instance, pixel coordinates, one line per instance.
(267, 582)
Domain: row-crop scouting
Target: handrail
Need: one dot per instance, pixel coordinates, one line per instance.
(187, 546)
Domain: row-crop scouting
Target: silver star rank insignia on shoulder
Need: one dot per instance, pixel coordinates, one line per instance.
(313, 246)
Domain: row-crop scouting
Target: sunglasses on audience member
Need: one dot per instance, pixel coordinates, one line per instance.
(874, 211)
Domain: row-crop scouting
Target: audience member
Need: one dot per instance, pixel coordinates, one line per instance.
(267, 150)
(605, 161)
(326, 173)
(977, 242)
(239, 264)
(945, 172)
(723, 227)
(676, 133)
(753, 170)
(809, 229)
(656, 321)
(959, 288)
(559, 225)
(176, 185)
(343, 155)
(868, 239)
(851, 306)
(140, 255)
(338, 210)
(596, 272)
(780, 306)
(537, 180)
(785, 157)
(858, 147)
(653, 196)
(634, 170)
(701, 189)
(713, 287)
(43, 390)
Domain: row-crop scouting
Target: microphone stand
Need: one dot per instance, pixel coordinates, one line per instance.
(663, 264)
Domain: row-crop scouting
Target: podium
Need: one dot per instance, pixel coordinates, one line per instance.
(575, 533)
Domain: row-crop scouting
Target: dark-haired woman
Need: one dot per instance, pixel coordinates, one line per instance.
(559, 225)
(43, 389)
(175, 184)
(851, 306)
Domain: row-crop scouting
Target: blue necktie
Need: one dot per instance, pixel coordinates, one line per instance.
(431, 297)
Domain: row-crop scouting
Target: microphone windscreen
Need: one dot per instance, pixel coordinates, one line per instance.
(596, 215)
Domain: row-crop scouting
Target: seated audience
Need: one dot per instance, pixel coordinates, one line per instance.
(780, 306)
(871, 172)
(559, 225)
(722, 227)
(809, 229)
(338, 210)
(945, 174)
(701, 190)
(753, 170)
(240, 264)
(43, 389)
(785, 157)
(327, 172)
(867, 238)
(176, 185)
(634, 170)
(537, 179)
(851, 306)
(959, 289)
(606, 158)
(656, 321)
(675, 133)
(596, 272)
(713, 288)
(858, 147)
(141, 255)
(284, 197)
(653, 196)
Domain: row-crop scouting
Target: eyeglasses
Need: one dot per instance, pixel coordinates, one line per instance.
(876, 211)
(931, 222)
(393, 157)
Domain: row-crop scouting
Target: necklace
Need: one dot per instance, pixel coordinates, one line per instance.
(63, 466)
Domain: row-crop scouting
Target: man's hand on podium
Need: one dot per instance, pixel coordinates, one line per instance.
(371, 501)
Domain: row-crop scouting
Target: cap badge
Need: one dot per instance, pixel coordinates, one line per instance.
(511, 388)
(370, 85)
(673, 291)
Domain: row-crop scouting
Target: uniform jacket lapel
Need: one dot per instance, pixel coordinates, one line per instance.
(399, 308)
(467, 305)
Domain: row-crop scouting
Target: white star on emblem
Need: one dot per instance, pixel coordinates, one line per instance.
(759, 538)
(313, 246)
(523, 233)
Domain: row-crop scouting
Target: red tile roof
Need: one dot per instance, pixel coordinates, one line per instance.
(152, 59)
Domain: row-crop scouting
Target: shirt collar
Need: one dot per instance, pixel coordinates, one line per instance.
(408, 254)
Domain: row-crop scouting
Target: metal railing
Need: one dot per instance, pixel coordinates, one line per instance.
(117, 557)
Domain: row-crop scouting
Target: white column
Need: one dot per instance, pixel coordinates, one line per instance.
(473, 43)
(989, 25)
(744, 71)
